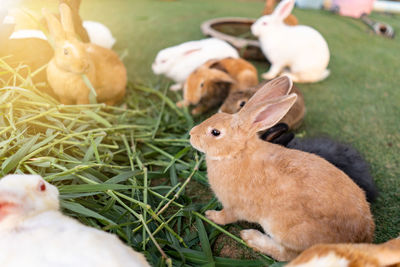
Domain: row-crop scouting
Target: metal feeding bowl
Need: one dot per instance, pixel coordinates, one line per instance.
(235, 31)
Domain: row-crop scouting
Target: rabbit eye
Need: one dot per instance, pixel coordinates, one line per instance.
(42, 186)
(66, 52)
(264, 23)
(202, 85)
(241, 104)
(215, 132)
(163, 61)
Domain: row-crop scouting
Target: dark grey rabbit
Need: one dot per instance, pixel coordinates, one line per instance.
(343, 156)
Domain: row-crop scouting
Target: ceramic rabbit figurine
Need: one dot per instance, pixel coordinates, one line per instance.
(292, 194)
(301, 48)
(72, 59)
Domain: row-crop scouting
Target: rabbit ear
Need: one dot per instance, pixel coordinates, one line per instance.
(217, 66)
(284, 9)
(66, 20)
(220, 76)
(56, 31)
(191, 51)
(275, 88)
(266, 114)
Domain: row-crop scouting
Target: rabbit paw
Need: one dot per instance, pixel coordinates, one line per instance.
(175, 87)
(220, 217)
(268, 75)
(182, 104)
(197, 111)
(251, 237)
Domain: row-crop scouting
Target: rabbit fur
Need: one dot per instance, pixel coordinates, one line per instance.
(72, 59)
(292, 194)
(237, 99)
(343, 156)
(300, 48)
(354, 255)
(269, 8)
(234, 73)
(35, 233)
(178, 62)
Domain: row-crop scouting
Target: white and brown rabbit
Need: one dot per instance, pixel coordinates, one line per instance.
(292, 194)
(354, 255)
(238, 98)
(214, 76)
(72, 59)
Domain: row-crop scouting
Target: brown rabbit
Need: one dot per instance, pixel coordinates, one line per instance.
(72, 59)
(216, 75)
(354, 255)
(237, 99)
(292, 194)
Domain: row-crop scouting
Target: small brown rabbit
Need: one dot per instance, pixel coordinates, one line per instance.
(292, 194)
(72, 59)
(216, 75)
(237, 99)
(354, 255)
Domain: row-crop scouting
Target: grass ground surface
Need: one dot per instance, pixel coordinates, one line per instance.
(359, 104)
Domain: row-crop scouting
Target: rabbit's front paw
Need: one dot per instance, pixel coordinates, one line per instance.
(182, 104)
(219, 217)
(175, 87)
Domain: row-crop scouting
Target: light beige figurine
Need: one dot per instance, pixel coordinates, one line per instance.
(214, 80)
(292, 194)
(237, 99)
(35, 233)
(350, 255)
(72, 59)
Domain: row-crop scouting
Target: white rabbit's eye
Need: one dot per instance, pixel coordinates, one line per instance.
(163, 61)
(264, 23)
(66, 52)
(215, 132)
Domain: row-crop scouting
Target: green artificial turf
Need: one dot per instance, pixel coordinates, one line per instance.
(359, 103)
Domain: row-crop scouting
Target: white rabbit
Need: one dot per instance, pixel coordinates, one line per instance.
(99, 34)
(301, 48)
(178, 62)
(35, 233)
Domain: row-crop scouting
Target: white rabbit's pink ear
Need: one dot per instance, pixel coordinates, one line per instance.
(275, 88)
(66, 20)
(56, 31)
(265, 115)
(191, 51)
(283, 9)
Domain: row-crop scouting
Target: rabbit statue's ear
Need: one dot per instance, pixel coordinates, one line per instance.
(283, 9)
(266, 114)
(66, 20)
(275, 88)
(56, 31)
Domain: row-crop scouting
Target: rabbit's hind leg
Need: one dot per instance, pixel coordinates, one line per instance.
(273, 71)
(265, 244)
